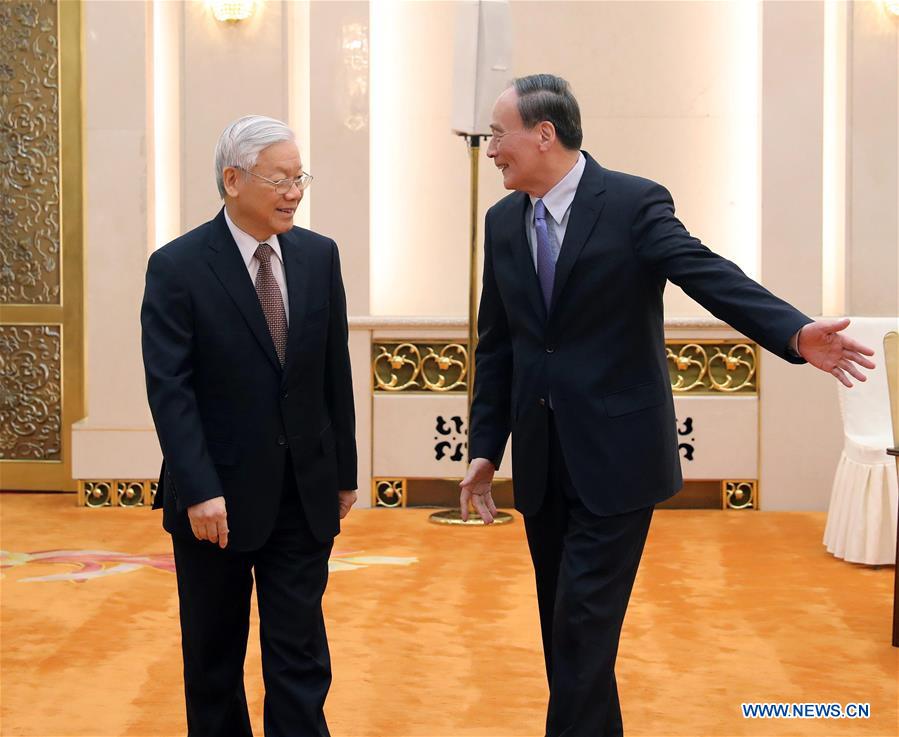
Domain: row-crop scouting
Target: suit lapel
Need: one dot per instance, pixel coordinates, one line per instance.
(296, 271)
(589, 200)
(225, 260)
(521, 248)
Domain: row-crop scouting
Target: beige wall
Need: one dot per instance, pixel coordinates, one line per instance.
(227, 70)
(872, 270)
(801, 426)
(339, 145)
(117, 237)
(798, 457)
(792, 151)
(722, 102)
(667, 91)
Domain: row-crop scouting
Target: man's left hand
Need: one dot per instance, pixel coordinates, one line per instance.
(347, 499)
(823, 345)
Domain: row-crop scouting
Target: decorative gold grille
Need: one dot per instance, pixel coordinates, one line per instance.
(421, 367)
(739, 494)
(694, 367)
(389, 493)
(98, 493)
(717, 367)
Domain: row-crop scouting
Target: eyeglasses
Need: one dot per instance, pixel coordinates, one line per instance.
(499, 137)
(283, 186)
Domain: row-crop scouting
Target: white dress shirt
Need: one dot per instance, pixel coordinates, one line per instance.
(558, 204)
(248, 245)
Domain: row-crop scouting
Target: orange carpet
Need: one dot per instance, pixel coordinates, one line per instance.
(433, 630)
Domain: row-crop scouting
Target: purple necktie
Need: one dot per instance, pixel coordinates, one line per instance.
(546, 258)
(271, 300)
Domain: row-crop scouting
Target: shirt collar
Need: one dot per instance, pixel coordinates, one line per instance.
(247, 244)
(560, 197)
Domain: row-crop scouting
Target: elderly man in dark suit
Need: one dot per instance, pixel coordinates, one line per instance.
(571, 361)
(248, 378)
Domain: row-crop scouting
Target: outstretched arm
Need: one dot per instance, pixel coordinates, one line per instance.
(663, 244)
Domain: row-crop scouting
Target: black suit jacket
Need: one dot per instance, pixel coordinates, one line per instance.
(225, 412)
(599, 352)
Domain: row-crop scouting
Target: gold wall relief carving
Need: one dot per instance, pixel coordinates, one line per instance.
(739, 494)
(694, 367)
(712, 367)
(130, 493)
(30, 392)
(29, 154)
(396, 367)
(422, 367)
(41, 240)
(97, 493)
(389, 493)
(445, 371)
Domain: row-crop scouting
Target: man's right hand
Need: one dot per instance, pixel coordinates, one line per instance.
(476, 489)
(209, 521)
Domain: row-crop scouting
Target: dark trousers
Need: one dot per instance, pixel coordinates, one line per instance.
(585, 568)
(214, 590)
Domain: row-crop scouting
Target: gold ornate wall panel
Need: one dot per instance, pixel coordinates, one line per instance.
(30, 392)
(29, 154)
(41, 226)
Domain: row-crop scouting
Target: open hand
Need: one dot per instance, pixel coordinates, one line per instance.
(824, 346)
(476, 490)
(209, 521)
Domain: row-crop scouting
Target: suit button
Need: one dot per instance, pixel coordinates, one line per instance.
(541, 402)
(550, 349)
(284, 395)
(282, 440)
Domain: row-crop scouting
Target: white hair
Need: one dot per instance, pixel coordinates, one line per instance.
(240, 144)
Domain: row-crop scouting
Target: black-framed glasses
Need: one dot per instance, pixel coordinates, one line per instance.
(283, 186)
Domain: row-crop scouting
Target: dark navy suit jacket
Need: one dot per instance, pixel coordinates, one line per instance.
(599, 351)
(228, 417)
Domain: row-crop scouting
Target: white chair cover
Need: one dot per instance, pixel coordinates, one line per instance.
(861, 520)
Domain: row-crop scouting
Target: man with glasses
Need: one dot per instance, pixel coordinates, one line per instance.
(571, 362)
(248, 379)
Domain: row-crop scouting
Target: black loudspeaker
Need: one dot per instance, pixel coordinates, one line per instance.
(481, 63)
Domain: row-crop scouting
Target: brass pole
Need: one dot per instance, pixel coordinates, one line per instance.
(474, 149)
(453, 516)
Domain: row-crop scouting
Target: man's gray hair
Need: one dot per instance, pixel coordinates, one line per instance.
(548, 97)
(240, 144)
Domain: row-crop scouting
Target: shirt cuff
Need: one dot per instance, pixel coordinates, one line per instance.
(793, 347)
